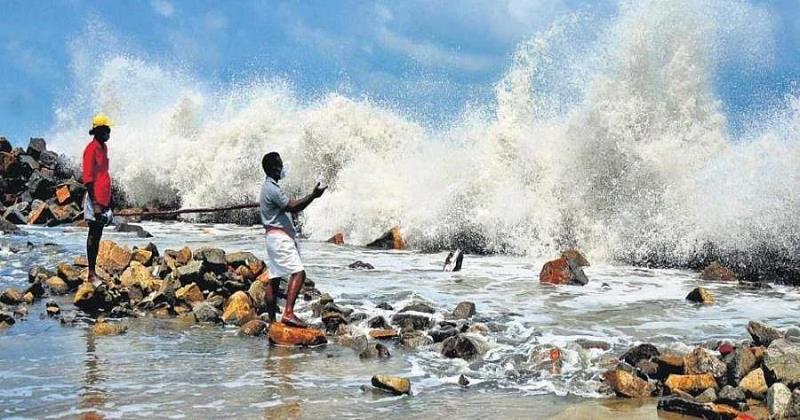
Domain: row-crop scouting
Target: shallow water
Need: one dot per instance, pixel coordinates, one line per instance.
(165, 369)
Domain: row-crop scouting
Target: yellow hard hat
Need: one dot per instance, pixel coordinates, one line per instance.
(101, 119)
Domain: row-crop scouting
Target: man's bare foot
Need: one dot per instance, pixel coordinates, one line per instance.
(293, 321)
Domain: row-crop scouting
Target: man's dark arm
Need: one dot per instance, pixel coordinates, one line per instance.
(298, 205)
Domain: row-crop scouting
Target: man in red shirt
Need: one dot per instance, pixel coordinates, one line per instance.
(96, 206)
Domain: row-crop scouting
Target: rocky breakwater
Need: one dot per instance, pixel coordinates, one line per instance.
(756, 378)
(37, 187)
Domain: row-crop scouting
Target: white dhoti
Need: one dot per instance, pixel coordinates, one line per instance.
(283, 255)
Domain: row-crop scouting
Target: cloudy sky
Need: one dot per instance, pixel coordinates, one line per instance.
(427, 58)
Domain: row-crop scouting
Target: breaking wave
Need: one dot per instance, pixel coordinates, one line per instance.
(604, 134)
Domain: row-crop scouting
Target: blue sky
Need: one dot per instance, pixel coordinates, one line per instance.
(425, 58)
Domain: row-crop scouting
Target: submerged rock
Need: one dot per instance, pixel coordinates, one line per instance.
(131, 228)
(575, 256)
(206, 312)
(640, 352)
(361, 265)
(625, 384)
(254, 328)
(696, 409)
(107, 328)
(337, 239)
(463, 346)
(716, 272)
(562, 271)
(464, 310)
(393, 384)
(389, 240)
(375, 351)
(413, 321)
(418, 307)
(700, 295)
(282, 334)
(454, 261)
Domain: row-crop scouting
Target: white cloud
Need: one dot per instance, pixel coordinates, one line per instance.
(428, 53)
(163, 8)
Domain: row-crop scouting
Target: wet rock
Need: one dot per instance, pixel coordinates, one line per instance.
(587, 344)
(385, 306)
(21, 311)
(214, 258)
(763, 334)
(63, 214)
(243, 273)
(731, 396)
(454, 261)
(39, 274)
(209, 282)
(206, 312)
(377, 350)
(56, 286)
(562, 271)
(463, 346)
(361, 265)
(6, 319)
(691, 408)
(392, 384)
(464, 310)
(414, 339)
(691, 383)
(121, 312)
(70, 274)
(257, 293)
(575, 256)
(378, 322)
(463, 381)
(138, 275)
(640, 352)
(190, 273)
(383, 334)
(701, 361)
(479, 329)
(357, 317)
(418, 307)
(108, 328)
(284, 335)
(754, 383)
(40, 214)
(15, 216)
(333, 320)
(336, 239)
(254, 328)
(11, 296)
(707, 396)
(131, 228)
(700, 295)
(190, 293)
(27, 297)
(238, 309)
(441, 334)
(779, 397)
(389, 240)
(143, 256)
(716, 272)
(413, 321)
(91, 299)
(648, 368)
(183, 256)
(740, 363)
(782, 362)
(7, 227)
(237, 259)
(113, 258)
(625, 384)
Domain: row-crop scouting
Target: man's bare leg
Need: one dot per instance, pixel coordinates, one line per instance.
(271, 297)
(292, 290)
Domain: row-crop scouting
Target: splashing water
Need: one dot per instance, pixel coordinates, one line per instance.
(606, 136)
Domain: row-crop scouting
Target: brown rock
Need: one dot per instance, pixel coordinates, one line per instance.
(700, 295)
(238, 309)
(626, 384)
(56, 286)
(28, 298)
(337, 239)
(11, 296)
(562, 271)
(389, 240)
(701, 361)
(716, 272)
(254, 328)
(257, 292)
(190, 293)
(81, 261)
(257, 267)
(244, 273)
(40, 214)
(284, 335)
(754, 383)
(69, 274)
(383, 334)
(392, 384)
(107, 328)
(113, 258)
(691, 383)
(142, 256)
(138, 275)
(184, 256)
(62, 194)
(576, 257)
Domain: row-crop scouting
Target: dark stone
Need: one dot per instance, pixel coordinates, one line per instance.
(121, 312)
(377, 350)
(15, 216)
(357, 317)
(36, 146)
(39, 274)
(52, 308)
(378, 322)
(640, 352)
(11, 296)
(414, 339)
(592, 344)
(209, 282)
(213, 257)
(464, 310)
(460, 346)
(418, 307)
(234, 286)
(453, 261)
(731, 396)
(463, 381)
(740, 363)
(36, 289)
(41, 186)
(5, 145)
(687, 408)
(417, 322)
(386, 241)
(191, 273)
(206, 312)
(361, 265)
(332, 320)
(235, 259)
(385, 306)
(49, 159)
(131, 228)
(7, 227)
(6, 318)
(152, 248)
(763, 334)
(439, 335)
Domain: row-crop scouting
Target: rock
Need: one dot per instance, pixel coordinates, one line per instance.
(376, 351)
(691, 408)
(418, 307)
(782, 362)
(70, 274)
(707, 396)
(345, 338)
(138, 275)
(453, 261)
(57, 286)
(92, 299)
(779, 397)
(332, 320)
(337, 239)
(440, 335)
(11, 296)
(763, 334)
(361, 265)
(716, 272)
(190, 293)
(413, 321)
(52, 308)
(143, 256)
(238, 309)
(794, 407)
(640, 352)
(257, 293)
(63, 214)
(113, 258)
(700, 295)
(41, 186)
(10, 166)
(414, 339)
(284, 335)
(740, 363)
(206, 312)
(378, 322)
(36, 289)
(383, 334)
(792, 335)
(464, 310)
(35, 147)
(107, 328)
(587, 344)
(648, 368)
(462, 346)
(214, 258)
(625, 384)
(15, 216)
(49, 159)
(254, 328)
(575, 256)
(27, 298)
(389, 240)
(236, 259)
(731, 396)
(258, 268)
(7, 227)
(691, 383)
(190, 273)
(40, 214)
(5, 145)
(392, 384)
(562, 271)
(131, 228)
(385, 306)
(243, 272)
(701, 361)
(38, 274)
(6, 319)
(754, 383)
(463, 381)
(62, 194)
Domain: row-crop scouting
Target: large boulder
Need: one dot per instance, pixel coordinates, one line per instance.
(454, 261)
(392, 384)
(701, 361)
(190, 294)
(575, 256)
(40, 214)
(92, 299)
(779, 399)
(463, 346)
(782, 362)
(56, 285)
(285, 335)
(11, 296)
(191, 272)
(41, 186)
(464, 310)
(700, 295)
(740, 363)
(562, 271)
(763, 334)
(413, 321)
(389, 240)
(139, 275)
(716, 272)
(113, 258)
(238, 309)
(754, 383)
(254, 328)
(638, 353)
(214, 258)
(206, 312)
(691, 383)
(35, 147)
(625, 384)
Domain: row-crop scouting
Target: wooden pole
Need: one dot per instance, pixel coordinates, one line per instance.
(168, 213)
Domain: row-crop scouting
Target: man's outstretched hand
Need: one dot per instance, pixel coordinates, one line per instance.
(318, 190)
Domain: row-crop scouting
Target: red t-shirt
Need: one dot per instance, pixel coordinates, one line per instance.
(95, 170)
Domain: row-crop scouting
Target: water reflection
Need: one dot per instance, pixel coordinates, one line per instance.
(92, 394)
(279, 365)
